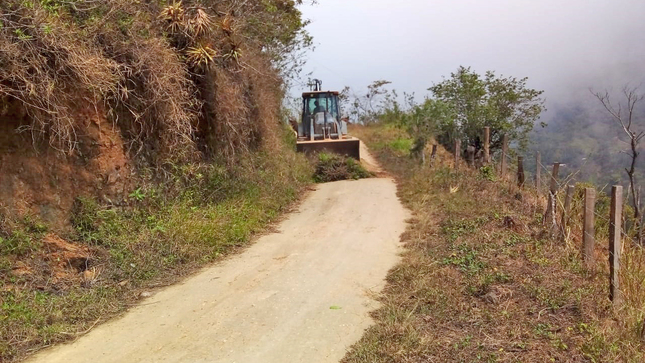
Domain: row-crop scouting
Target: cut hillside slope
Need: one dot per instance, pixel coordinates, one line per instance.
(37, 181)
(481, 281)
(92, 94)
(139, 140)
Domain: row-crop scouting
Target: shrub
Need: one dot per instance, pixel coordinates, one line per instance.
(487, 172)
(334, 167)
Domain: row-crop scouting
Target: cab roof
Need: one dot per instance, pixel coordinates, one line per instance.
(314, 93)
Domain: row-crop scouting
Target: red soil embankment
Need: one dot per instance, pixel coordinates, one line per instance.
(39, 182)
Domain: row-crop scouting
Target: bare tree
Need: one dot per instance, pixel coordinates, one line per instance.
(366, 109)
(624, 115)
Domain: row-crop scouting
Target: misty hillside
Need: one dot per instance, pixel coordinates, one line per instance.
(584, 136)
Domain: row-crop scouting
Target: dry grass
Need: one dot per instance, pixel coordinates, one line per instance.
(59, 62)
(156, 104)
(51, 73)
(175, 78)
(481, 281)
(632, 280)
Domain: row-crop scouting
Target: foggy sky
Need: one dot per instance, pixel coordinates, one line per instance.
(563, 46)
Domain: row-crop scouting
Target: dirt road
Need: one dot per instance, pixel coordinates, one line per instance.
(300, 295)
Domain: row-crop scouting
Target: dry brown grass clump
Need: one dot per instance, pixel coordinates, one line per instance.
(51, 72)
(156, 104)
(59, 62)
(173, 77)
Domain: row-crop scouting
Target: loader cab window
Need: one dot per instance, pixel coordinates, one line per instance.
(319, 102)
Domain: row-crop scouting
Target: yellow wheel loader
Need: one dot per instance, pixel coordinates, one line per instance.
(321, 128)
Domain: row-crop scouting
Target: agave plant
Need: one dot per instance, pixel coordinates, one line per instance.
(200, 56)
(227, 24)
(174, 15)
(200, 24)
(235, 54)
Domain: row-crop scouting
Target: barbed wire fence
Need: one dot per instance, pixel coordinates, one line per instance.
(565, 202)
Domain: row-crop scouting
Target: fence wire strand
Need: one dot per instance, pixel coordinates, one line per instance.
(561, 185)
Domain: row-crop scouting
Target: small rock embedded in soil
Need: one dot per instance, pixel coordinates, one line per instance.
(492, 298)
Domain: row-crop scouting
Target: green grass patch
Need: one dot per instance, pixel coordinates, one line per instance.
(401, 145)
(167, 229)
(465, 258)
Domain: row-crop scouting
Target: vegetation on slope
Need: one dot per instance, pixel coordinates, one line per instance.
(481, 281)
(201, 214)
(179, 76)
(192, 91)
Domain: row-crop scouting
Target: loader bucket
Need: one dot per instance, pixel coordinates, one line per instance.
(347, 147)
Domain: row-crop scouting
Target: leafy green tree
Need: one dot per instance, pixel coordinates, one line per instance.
(422, 122)
(275, 26)
(506, 105)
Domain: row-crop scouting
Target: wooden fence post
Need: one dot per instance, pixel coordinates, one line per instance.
(471, 155)
(551, 208)
(615, 243)
(554, 178)
(567, 210)
(457, 153)
(486, 145)
(520, 171)
(504, 155)
(589, 230)
(479, 159)
(538, 170)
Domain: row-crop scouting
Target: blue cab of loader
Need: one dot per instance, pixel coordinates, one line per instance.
(321, 128)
